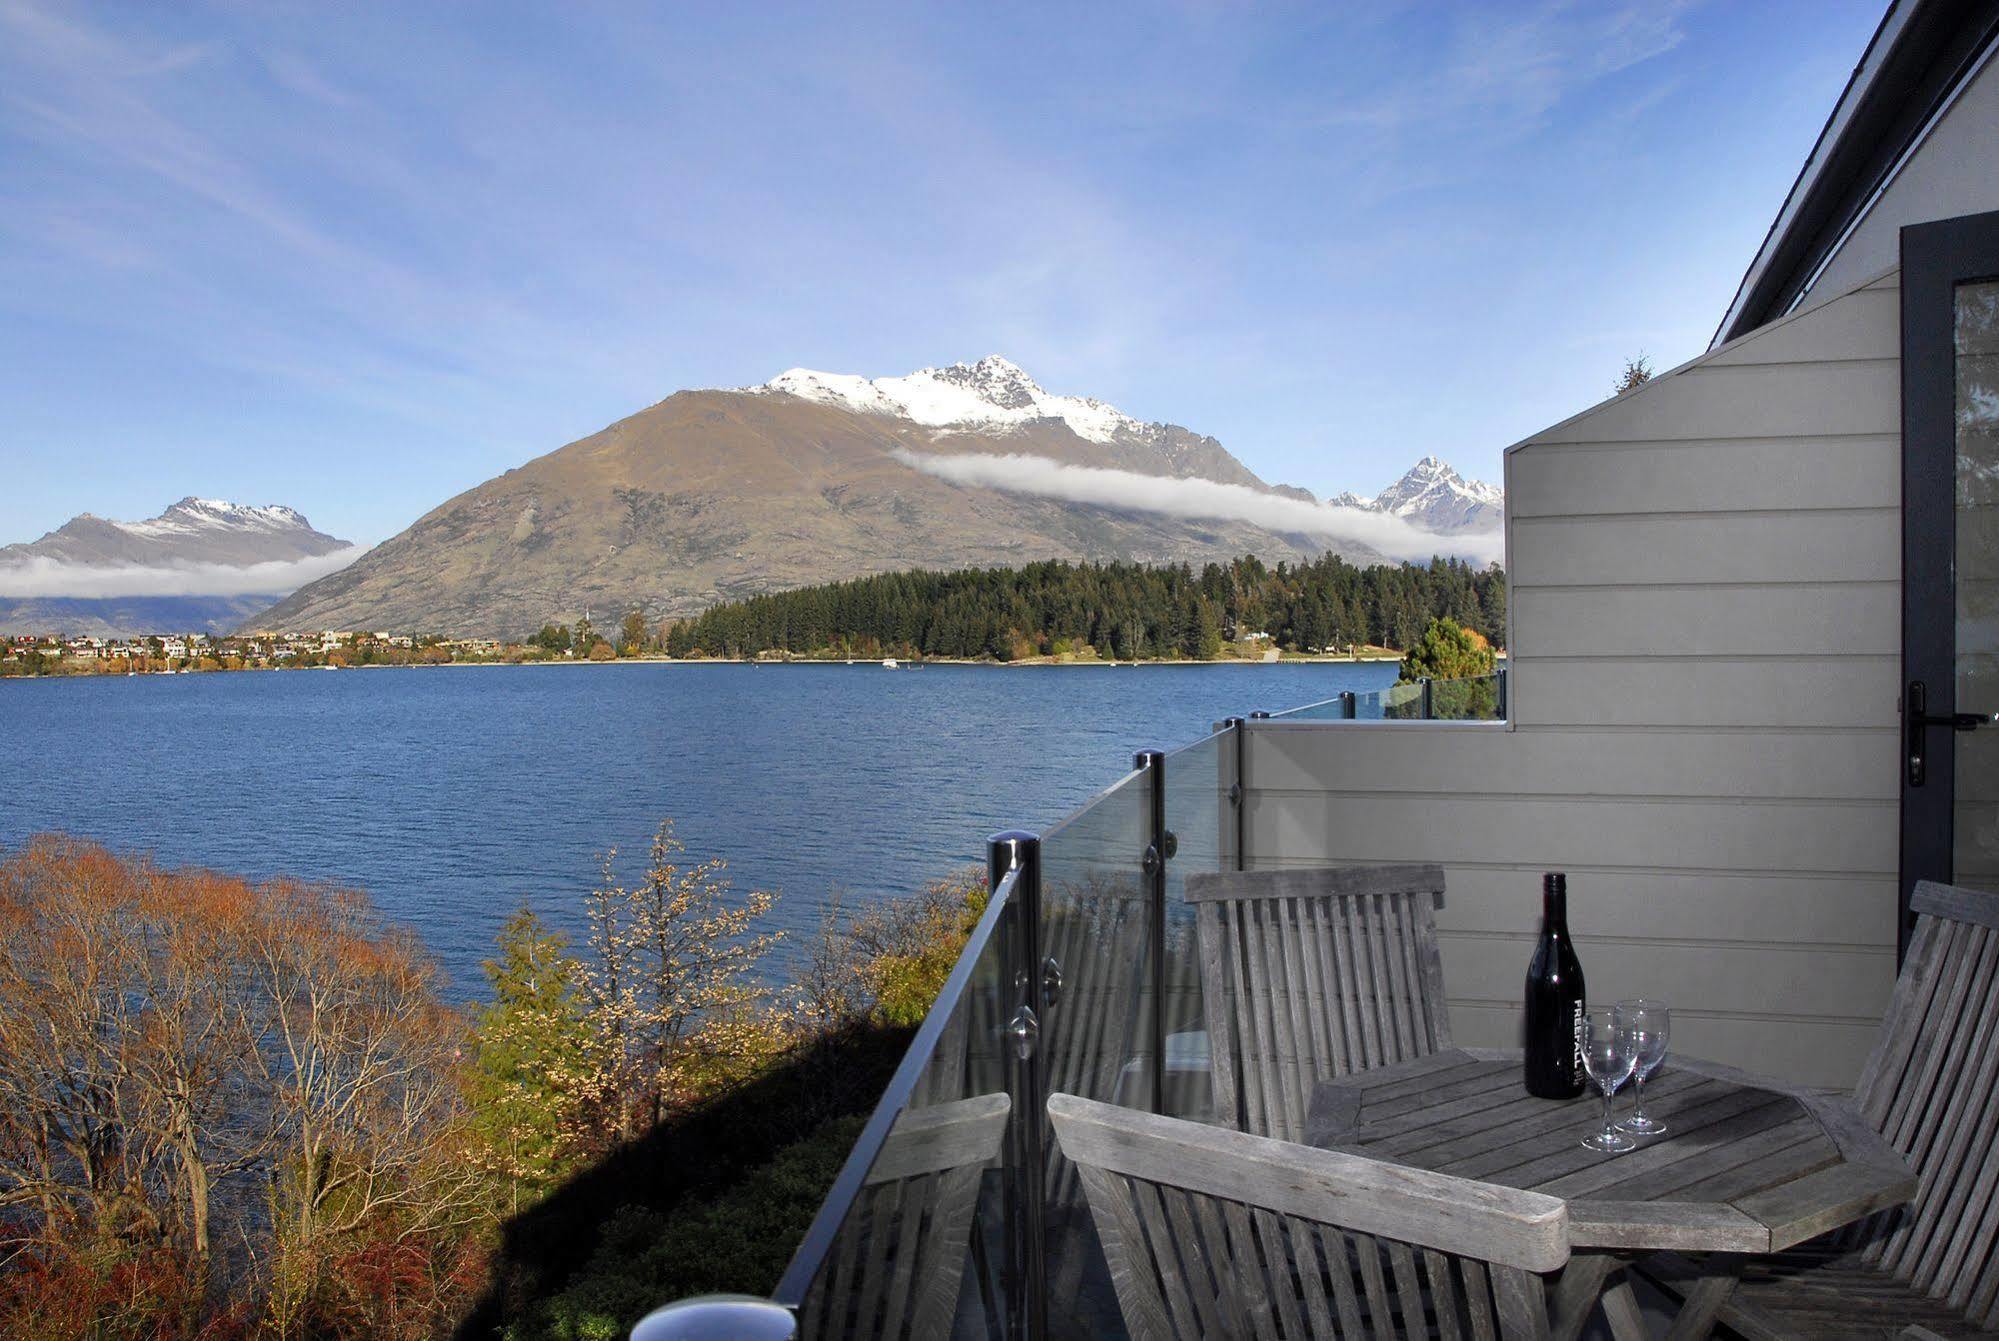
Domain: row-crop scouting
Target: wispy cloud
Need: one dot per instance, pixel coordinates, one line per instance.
(45, 577)
(1199, 500)
(1509, 69)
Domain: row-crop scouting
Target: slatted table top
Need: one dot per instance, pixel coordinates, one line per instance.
(1748, 1165)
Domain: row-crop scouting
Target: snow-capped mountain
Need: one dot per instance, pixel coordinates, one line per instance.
(1435, 497)
(815, 476)
(996, 399)
(992, 394)
(207, 516)
(194, 530)
(201, 564)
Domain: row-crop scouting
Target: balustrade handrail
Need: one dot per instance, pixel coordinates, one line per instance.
(1418, 702)
(819, 1239)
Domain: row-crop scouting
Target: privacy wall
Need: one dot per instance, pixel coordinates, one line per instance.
(1705, 587)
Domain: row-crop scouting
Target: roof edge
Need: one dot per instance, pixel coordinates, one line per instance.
(1921, 55)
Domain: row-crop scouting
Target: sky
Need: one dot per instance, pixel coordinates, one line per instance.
(356, 259)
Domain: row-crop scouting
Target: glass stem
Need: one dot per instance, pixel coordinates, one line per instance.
(1638, 1098)
(1607, 1128)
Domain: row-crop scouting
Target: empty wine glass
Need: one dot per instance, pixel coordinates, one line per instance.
(1649, 1023)
(1609, 1054)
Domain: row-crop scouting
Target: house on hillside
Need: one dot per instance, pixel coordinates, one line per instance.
(1741, 598)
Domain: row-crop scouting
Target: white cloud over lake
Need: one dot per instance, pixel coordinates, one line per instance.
(1195, 500)
(52, 578)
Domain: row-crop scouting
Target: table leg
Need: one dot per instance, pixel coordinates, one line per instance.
(1576, 1293)
(1709, 1295)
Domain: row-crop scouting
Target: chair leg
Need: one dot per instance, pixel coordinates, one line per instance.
(1576, 1293)
(1620, 1309)
(1719, 1274)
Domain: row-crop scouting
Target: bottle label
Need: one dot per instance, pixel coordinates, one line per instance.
(1576, 1035)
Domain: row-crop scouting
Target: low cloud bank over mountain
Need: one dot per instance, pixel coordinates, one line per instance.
(38, 576)
(1199, 499)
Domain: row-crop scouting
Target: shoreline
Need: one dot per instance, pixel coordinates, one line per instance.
(1043, 663)
(1025, 663)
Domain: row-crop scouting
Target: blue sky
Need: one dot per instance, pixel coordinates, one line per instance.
(358, 258)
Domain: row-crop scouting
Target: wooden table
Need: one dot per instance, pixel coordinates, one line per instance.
(1747, 1166)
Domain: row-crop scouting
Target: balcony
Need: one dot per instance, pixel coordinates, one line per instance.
(954, 1216)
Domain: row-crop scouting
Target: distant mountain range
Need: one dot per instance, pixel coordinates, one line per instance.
(813, 476)
(201, 565)
(722, 494)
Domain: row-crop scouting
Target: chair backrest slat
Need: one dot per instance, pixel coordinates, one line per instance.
(1215, 1232)
(1931, 1088)
(1310, 974)
(902, 1249)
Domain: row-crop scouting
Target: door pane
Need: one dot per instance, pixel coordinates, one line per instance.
(1975, 855)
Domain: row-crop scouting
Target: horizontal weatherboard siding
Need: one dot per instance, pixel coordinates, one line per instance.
(1749, 908)
(1716, 476)
(1683, 548)
(1752, 617)
(1705, 654)
(1830, 690)
(1834, 837)
(1841, 765)
(1765, 400)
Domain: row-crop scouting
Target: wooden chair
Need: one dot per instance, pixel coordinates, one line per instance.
(1310, 974)
(1211, 1232)
(895, 1270)
(1931, 1088)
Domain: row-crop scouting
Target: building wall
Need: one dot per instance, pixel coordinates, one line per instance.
(1705, 652)
(1950, 174)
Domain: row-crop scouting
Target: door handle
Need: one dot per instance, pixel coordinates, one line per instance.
(1916, 713)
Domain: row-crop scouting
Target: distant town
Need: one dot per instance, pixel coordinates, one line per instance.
(177, 653)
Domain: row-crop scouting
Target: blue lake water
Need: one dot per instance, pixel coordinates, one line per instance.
(454, 795)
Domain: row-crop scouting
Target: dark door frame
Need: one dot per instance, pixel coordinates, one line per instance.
(1936, 258)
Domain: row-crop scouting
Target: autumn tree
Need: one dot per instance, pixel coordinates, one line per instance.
(632, 636)
(889, 960)
(669, 981)
(234, 1091)
(1447, 651)
(1460, 663)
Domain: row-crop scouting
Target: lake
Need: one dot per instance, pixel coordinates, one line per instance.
(453, 795)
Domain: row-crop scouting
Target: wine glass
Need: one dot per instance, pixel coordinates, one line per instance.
(1649, 1023)
(1609, 1053)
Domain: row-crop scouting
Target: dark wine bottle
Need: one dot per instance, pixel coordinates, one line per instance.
(1555, 1000)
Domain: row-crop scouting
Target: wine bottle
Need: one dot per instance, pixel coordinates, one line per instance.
(1554, 1000)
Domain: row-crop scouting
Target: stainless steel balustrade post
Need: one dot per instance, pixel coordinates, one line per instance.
(1429, 701)
(1237, 729)
(1501, 673)
(1159, 849)
(1032, 988)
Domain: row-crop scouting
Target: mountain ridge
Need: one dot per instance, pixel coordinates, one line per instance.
(721, 493)
(203, 564)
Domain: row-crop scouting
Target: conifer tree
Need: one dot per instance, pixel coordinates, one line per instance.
(536, 1065)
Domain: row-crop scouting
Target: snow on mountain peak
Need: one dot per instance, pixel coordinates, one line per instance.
(1436, 497)
(994, 394)
(193, 515)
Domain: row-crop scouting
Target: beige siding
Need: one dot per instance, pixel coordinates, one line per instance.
(1950, 175)
(1706, 613)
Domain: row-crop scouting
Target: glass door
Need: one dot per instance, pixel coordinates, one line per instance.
(1950, 651)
